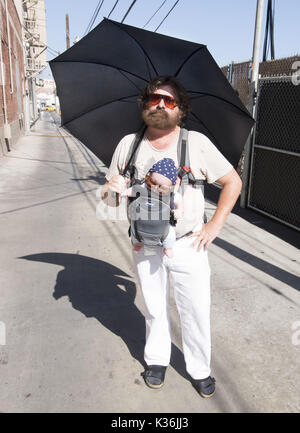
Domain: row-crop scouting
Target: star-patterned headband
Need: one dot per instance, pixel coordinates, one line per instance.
(166, 167)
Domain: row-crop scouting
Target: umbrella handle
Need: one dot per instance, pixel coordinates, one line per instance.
(116, 196)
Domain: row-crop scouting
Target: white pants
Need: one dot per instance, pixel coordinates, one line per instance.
(190, 273)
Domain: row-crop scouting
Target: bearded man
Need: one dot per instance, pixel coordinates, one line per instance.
(164, 105)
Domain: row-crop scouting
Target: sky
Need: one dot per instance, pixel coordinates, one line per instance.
(225, 26)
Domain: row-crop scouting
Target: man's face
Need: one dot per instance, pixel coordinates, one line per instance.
(160, 116)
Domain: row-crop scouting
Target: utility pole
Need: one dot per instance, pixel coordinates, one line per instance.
(252, 96)
(257, 41)
(67, 31)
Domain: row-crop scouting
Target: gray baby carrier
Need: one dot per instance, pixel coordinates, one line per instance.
(150, 213)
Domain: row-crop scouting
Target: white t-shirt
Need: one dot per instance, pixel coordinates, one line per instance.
(206, 163)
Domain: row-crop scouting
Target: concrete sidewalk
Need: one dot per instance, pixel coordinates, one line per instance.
(71, 318)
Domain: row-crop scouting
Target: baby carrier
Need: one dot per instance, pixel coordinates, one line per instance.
(151, 213)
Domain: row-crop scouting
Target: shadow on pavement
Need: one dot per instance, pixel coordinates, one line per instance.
(272, 270)
(97, 179)
(278, 229)
(100, 290)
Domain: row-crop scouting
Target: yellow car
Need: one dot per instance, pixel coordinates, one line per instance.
(49, 108)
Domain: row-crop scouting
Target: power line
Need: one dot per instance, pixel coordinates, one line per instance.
(269, 32)
(113, 8)
(52, 52)
(155, 13)
(38, 40)
(130, 7)
(167, 15)
(95, 14)
(92, 18)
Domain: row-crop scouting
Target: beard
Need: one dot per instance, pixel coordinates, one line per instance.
(160, 119)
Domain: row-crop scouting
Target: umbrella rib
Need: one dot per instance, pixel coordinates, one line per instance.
(144, 51)
(127, 78)
(221, 99)
(104, 64)
(188, 58)
(98, 106)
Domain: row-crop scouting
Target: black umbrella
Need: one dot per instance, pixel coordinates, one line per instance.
(98, 80)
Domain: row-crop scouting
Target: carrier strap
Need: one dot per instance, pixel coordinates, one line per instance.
(131, 156)
(184, 171)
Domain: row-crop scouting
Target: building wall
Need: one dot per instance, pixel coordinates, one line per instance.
(35, 23)
(35, 53)
(13, 81)
(46, 93)
(41, 23)
(19, 9)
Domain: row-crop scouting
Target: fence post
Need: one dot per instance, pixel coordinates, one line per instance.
(248, 149)
(230, 72)
(252, 95)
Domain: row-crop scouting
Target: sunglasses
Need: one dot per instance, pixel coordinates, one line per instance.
(155, 98)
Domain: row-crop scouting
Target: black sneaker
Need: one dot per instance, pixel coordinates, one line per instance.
(154, 376)
(205, 387)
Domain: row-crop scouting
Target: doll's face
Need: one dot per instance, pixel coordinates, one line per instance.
(159, 183)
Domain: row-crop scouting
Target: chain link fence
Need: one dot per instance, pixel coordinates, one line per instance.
(274, 187)
(239, 74)
(274, 178)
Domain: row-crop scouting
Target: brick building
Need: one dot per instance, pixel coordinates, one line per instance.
(12, 74)
(22, 59)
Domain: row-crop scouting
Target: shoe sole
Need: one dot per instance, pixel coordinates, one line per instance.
(153, 386)
(207, 395)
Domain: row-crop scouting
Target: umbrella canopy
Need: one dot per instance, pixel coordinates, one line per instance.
(99, 78)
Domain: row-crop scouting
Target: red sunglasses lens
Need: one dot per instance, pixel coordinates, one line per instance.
(155, 99)
(170, 102)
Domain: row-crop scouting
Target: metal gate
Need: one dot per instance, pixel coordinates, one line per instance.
(274, 187)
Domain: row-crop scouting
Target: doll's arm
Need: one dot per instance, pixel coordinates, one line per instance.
(178, 202)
